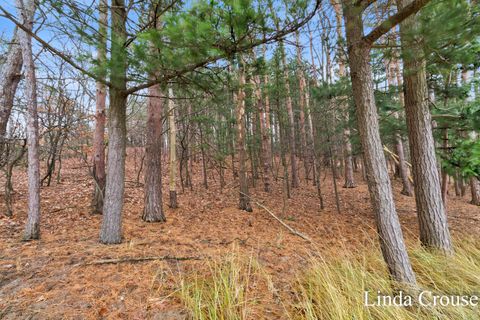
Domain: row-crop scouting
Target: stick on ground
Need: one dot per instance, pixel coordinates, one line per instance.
(293, 231)
(137, 259)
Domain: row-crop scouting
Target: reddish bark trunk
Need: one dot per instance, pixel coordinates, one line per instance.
(244, 200)
(100, 117)
(153, 211)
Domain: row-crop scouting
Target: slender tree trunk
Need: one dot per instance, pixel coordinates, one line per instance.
(334, 179)
(347, 145)
(10, 164)
(204, 160)
(388, 225)
(475, 190)
(312, 131)
(153, 210)
(444, 185)
(463, 187)
(265, 153)
(32, 228)
(99, 134)
(394, 73)
(302, 104)
(10, 75)
(291, 119)
(173, 151)
(474, 182)
(456, 183)
(189, 164)
(402, 165)
(244, 200)
(431, 213)
(111, 229)
(268, 138)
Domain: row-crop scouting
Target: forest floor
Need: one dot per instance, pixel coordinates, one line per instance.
(59, 276)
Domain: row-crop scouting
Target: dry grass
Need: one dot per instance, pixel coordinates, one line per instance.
(334, 288)
(225, 293)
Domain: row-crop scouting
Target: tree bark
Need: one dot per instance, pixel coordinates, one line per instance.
(347, 145)
(431, 213)
(394, 74)
(10, 75)
(101, 97)
(173, 151)
(302, 104)
(475, 190)
(407, 189)
(244, 200)
(111, 229)
(388, 225)
(153, 210)
(32, 228)
(444, 185)
(291, 120)
(265, 153)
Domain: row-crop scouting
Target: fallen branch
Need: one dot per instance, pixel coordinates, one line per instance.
(396, 158)
(136, 259)
(62, 209)
(293, 231)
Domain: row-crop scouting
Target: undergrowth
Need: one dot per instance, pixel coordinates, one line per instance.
(225, 293)
(333, 286)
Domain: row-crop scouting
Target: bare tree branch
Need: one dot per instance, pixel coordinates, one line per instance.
(50, 48)
(393, 20)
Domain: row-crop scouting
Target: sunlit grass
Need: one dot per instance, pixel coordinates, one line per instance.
(334, 288)
(223, 294)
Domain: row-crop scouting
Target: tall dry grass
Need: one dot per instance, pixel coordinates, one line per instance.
(334, 286)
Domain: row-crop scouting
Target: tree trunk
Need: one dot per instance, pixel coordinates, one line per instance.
(302, 104)
(388, 225)
(99, 134)
(244, 200)
(394, 74)
(10, 75)
(291, 120)
(475, 190)
(456, 183)
(444, 184)
(348, 161)
(111, 229)
(153, 210)
(431, 213)
(265, 153)
(347, 145)
(402, 165)
(10, 164)
(267, 139)
(32, 228)
(173, 152)
(204, 160)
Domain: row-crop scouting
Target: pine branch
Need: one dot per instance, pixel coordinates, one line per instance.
(393, 20)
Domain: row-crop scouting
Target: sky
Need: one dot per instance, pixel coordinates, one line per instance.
(50, 29)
